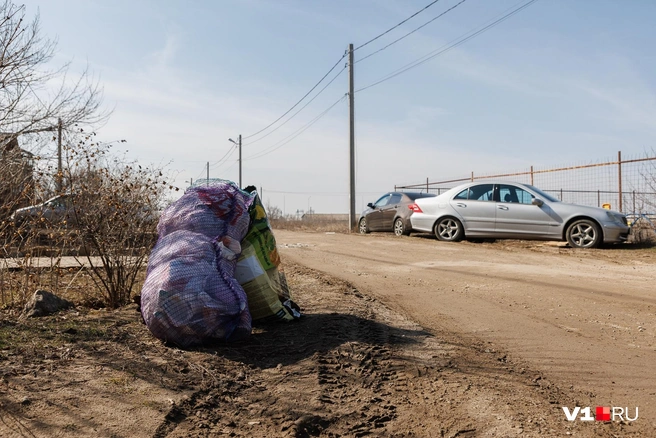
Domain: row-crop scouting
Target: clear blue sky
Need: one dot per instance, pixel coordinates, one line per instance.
(562, 82)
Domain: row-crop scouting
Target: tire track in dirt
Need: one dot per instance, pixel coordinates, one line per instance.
(350, 367)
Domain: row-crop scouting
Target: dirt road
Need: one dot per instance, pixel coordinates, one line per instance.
(583, 321)
(401, 337)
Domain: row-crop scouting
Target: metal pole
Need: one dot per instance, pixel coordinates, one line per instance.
(532, 176)
(351, 141)
(619, 177)
(207, 181)
(240, 186)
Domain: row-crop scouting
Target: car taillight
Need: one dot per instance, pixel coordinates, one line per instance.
(415, 208)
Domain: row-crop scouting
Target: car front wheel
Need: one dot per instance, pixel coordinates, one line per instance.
(399, 228)
(583, 234)
(449, 229)
(362, 226)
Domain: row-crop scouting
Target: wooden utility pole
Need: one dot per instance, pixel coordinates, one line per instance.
(351, 142)
(60, 172)
(238, 144)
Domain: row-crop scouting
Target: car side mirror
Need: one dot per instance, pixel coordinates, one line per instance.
(537, 202)
(370, 205)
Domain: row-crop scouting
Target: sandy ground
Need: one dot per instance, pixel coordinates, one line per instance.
(401, 337)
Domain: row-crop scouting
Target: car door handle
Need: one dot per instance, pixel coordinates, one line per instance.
(502, 207)
(461, 205)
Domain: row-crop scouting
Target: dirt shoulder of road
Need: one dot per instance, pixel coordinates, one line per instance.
(350, 367)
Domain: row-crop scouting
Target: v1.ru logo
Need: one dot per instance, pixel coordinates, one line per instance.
(602, 413)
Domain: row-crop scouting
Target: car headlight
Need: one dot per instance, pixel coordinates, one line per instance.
(619, 219)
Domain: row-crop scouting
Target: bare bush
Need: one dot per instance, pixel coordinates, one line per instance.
(116, 210)
(106, 218)
(273, 212)
(643, 232)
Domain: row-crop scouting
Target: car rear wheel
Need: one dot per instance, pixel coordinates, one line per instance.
(362, 226)
(399, 228)
(583, 233)
(449, 229)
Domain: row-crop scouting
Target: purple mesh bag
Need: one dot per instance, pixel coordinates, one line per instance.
(218, 209)
(190, 295)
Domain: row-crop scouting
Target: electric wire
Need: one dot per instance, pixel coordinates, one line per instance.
(226, 162)
(201, 173)
(297, 112)
(297, 103)
(234, 163)
(451, 45)
(411, 32)
(224, 157)
(394, 27)
(298, 132)
(280, 192)
(329, 71)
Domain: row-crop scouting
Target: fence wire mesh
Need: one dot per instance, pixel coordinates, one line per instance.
(627, 184)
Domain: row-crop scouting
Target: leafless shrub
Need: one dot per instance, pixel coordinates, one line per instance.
(116, 210)
(273, 212)
(105, 218)
(643, 232)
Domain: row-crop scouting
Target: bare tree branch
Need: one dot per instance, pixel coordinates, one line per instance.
(32, 98)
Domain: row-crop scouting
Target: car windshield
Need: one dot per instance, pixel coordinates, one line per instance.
(546, 196)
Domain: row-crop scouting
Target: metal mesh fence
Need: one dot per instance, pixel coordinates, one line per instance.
(627, 184)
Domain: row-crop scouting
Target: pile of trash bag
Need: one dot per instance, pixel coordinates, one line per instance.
(214, 269)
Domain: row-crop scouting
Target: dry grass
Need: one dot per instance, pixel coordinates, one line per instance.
(17, 285)
(76, 285)
(318, 225)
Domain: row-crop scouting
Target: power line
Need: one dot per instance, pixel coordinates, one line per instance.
(291, 137)
(296, 104)
(234, 163)
(413, 31)
(226, 162)
(202, 172)
(447, 47)
(224, 157)
(297, 112)
(329, 71)
(394, 27)
(307, 193)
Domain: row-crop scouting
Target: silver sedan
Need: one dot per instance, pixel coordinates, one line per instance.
(508, 210)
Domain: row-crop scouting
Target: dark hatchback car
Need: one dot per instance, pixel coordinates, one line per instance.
(391, 212)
